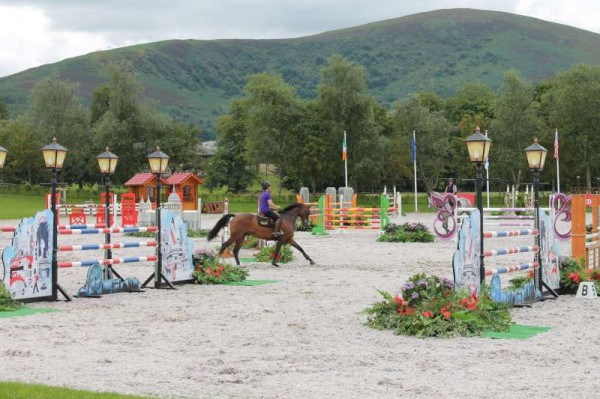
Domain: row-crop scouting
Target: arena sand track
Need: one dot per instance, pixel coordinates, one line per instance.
(300, 338)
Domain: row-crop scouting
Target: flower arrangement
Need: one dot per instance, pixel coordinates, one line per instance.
(7, 302)
(573, 272)
(209, 269)
(430, 307)
(407, 232)
(267, 253)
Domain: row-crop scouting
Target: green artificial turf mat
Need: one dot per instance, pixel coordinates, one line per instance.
(251, 282)
(26, 312)
(516, 331)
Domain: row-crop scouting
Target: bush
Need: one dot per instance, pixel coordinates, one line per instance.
(266, 254)
(573, 272)
(407, 232)
(209, 269)
(429, 307)
(7, 302)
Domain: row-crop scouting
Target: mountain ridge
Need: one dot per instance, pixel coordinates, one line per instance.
(438, 51)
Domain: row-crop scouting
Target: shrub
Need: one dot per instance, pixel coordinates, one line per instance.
(7, 302)
(407, 232)
(429, 307)
(266, 254)
(210, 269)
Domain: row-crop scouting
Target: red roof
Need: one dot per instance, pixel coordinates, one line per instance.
(141, 179)
(178, 178)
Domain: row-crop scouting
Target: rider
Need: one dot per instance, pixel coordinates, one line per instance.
(267, 207)
(451, 187)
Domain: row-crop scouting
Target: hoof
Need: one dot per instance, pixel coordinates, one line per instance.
(312, 262)
(274, 264)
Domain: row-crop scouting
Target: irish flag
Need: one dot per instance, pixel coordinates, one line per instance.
(344, 154)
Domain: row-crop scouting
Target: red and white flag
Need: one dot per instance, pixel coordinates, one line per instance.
(556, 145)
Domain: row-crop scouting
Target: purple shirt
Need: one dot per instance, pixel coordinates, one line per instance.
(263, 201)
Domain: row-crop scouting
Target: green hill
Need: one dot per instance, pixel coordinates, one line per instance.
(439, 51)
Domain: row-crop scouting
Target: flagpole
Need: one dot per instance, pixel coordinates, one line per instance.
(345, 162)
(414, 156)
(487, 176)
(557, 163)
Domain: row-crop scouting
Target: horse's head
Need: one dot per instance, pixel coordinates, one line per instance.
(304, 214)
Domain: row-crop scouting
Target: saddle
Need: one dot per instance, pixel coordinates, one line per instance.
(265, 221)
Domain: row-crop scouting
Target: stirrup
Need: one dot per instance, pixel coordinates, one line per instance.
(277, 234)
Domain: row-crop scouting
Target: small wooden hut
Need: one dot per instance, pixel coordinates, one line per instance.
(143, 185)
(186, 185)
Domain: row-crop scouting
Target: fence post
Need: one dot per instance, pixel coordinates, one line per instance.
(319, 229)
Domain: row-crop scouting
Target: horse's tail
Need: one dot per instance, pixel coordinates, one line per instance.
(220, 224)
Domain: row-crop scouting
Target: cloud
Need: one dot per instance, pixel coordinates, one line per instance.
(27, 40)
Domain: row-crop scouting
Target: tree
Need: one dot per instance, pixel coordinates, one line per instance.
(514, 128)
(57, 112)
(572, 104)
(345, 104)
(433, 140)
(231, 164)
(272, 115)
(3, 110)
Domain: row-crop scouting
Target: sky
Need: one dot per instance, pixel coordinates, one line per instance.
(37, 32)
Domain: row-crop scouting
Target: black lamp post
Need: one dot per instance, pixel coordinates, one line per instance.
(536, 157)
(107, 161)
(54, 157)
(158, 161)
(478, 146)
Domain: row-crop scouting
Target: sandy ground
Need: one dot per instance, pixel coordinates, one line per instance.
(300, 338)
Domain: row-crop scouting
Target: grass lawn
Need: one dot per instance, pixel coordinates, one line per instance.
(16, 206)
(18, 390)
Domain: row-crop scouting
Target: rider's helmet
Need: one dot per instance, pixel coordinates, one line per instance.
(265, 184)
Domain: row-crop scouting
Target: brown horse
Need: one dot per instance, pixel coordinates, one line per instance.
(247, 223)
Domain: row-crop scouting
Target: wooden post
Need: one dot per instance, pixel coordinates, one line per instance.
(578, 226)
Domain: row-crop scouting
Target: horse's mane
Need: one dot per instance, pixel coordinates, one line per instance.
(290, 207)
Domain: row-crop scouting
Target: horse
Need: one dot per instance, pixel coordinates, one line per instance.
(248, 223)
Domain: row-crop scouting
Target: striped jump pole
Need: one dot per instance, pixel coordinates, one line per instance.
(510, 233)
(114, 245)
(107, 262)
(111, 230)
(509, 217)
(81, 226)
(512, 268)
(510, 250)
(8, 229)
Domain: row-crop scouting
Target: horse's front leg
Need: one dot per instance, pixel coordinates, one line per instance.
(299, 248)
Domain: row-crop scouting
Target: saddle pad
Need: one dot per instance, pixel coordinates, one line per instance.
(265, 221)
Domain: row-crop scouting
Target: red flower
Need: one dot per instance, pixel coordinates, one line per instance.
(427, 314)
(400, 302)
(217, 274)
(445, 313)
(575, 277)
(531, 273)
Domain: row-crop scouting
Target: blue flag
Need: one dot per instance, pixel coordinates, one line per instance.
(414, 148)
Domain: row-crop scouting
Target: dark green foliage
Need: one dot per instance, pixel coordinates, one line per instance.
(7, 303)
(407, 232)
(429, 307)
(266, 254)
(210, 269)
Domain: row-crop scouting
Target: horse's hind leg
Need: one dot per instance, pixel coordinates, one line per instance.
(225, 245)
(299, 248)
(236, 250)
